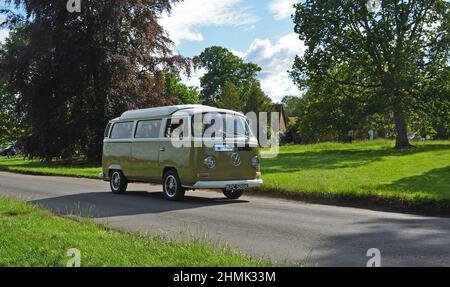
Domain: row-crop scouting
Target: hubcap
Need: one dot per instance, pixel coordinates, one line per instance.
(171, 186)
(116, 180)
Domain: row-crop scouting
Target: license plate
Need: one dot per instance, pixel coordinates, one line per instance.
(236, 186)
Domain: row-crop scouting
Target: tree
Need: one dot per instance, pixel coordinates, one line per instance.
(13, 125)
(392, 53)
(182, 94)
(329, 109)
(75, 71)
(12, 128)
(224, 67)
(256, 100)
(230, 98)
(294, 106)
(431, 118)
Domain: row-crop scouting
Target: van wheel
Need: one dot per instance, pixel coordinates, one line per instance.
(118, 182)
(233, 194)
(172, 188)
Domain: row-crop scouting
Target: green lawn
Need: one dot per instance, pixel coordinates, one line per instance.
(56, 168)
(362, 170)
(30, 236)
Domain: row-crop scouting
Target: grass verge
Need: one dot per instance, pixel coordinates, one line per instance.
(367, 174)
(31, 236)
(35, 167)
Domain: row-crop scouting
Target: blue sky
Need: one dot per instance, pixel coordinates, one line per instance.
(258, 22)
(259, 31)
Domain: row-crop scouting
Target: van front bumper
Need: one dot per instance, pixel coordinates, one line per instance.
(225, 183)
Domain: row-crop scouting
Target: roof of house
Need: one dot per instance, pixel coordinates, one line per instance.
(280, 109)
(170, 110)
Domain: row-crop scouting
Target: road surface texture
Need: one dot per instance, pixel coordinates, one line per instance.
(275, 229)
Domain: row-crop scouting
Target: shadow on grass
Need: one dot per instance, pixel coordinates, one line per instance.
(436, 181)
(337, 158)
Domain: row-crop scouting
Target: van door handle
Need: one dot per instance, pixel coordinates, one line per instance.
(162, 149)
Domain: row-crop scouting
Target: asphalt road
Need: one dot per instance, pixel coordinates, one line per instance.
(273, 228)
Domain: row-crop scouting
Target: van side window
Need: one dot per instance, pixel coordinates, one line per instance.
(148, 129)
(122, 130)
(172, 125)
(108, 128)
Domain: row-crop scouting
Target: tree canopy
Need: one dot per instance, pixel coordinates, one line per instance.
(224, 69)
(72, 72)
(231, 83)
(389, 55)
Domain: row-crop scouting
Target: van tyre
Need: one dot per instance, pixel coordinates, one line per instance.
(118, 182)
(172, 188)
(233, 194)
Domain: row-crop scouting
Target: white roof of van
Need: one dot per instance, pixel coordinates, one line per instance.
(169, 110)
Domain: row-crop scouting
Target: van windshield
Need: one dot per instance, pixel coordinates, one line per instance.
(220, 125)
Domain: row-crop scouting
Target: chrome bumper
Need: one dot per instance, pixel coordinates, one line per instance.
(224, 184)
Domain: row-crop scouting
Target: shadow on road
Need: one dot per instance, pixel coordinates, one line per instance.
(402, 242)
(106, 204)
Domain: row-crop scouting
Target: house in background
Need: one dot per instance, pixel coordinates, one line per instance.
(283, 120)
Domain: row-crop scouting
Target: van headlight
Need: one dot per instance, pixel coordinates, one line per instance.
(210, 162)
(255, 162)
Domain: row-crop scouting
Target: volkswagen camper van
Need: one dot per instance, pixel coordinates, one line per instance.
(185, 147)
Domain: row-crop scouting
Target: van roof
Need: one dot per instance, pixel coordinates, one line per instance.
(170, 110)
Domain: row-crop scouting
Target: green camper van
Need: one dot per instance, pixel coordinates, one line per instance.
(185, 147)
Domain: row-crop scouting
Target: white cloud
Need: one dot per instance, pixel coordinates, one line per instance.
(275, 61)
(194, 79)
(238, 53)
(4, 33)
(190, 15)
(282, 9)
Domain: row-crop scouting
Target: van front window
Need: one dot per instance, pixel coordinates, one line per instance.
(220, 125)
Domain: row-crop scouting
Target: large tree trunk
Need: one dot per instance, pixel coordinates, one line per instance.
(401, 140)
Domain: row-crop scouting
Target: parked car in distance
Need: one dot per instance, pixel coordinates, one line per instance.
(9, 151)
(415, 137)
(144, 146)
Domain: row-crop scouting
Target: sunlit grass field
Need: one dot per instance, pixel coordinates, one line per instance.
(30, 236)
(362, 170)
(55, 168)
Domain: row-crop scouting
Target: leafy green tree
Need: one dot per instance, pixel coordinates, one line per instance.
(392, 53)
(75, 71)
(329, 109)
(230, 98)
(224, 67)
(13, 125)
(256, 100)
(12, 128)
(182, 94)
(431, 118)
(294, 106)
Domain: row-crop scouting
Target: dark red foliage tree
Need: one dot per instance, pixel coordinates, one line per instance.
(73, 72)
